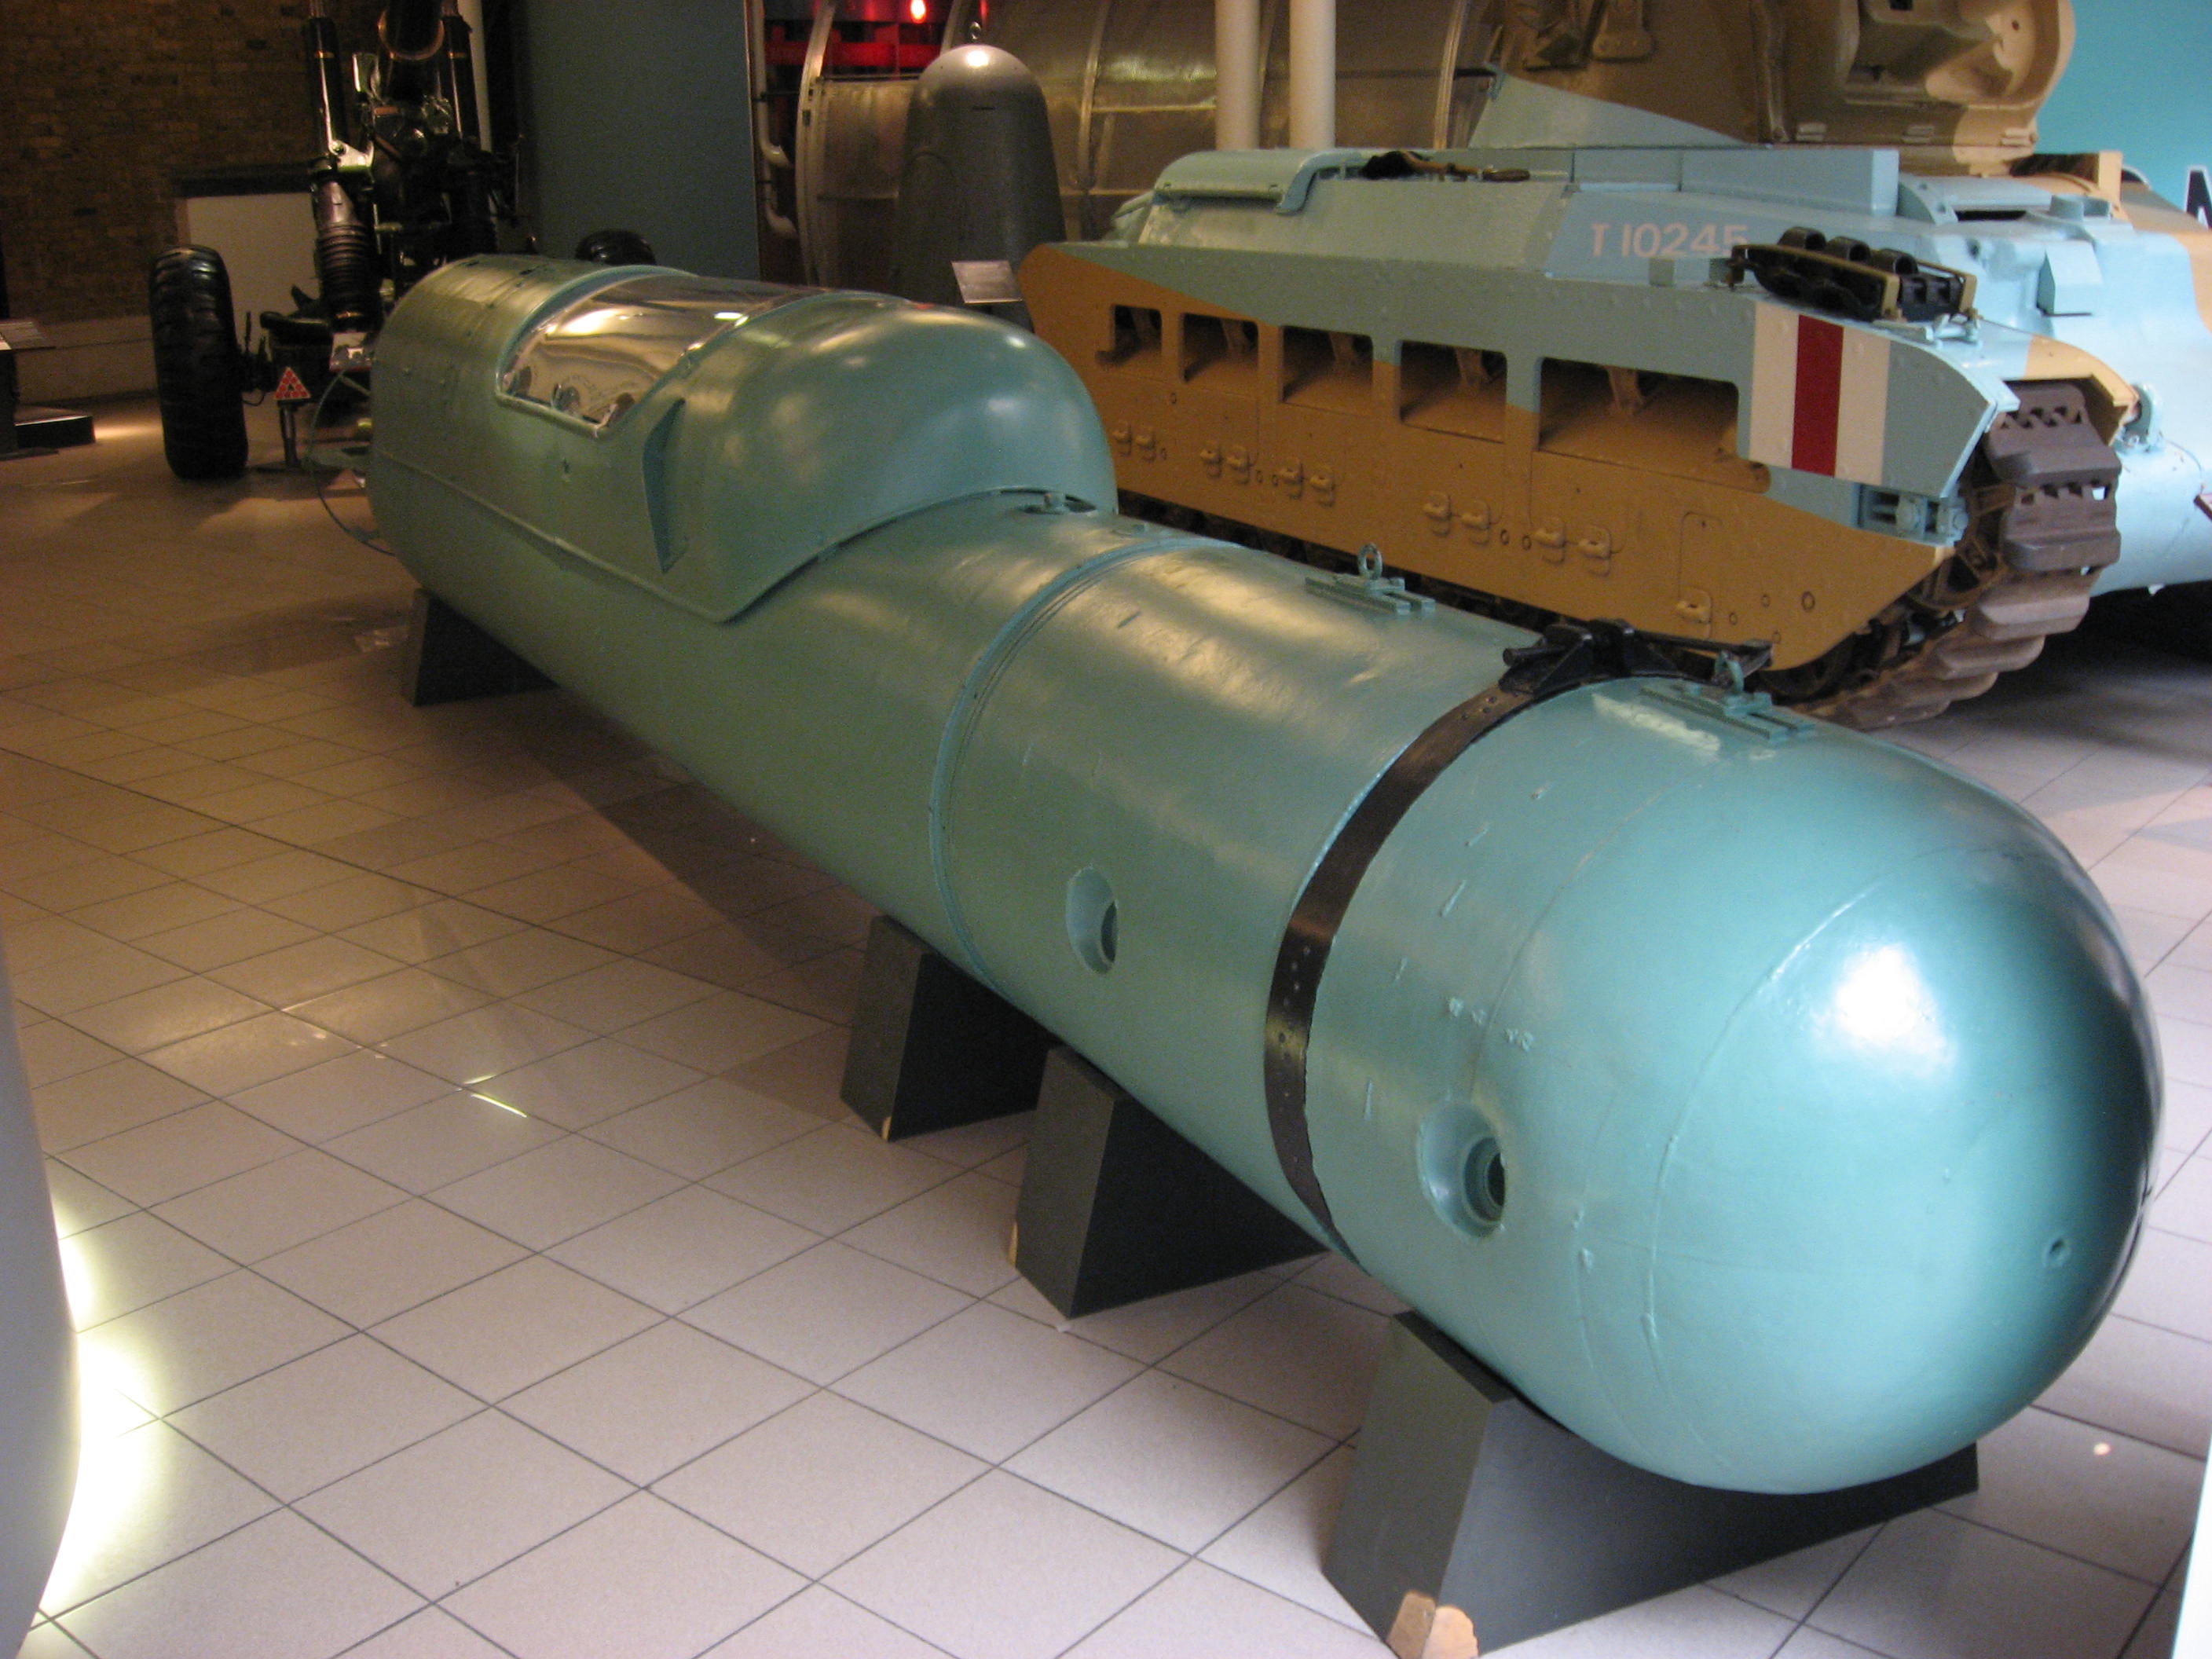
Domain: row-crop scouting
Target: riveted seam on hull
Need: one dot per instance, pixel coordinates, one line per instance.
(1624, 1420)
(991, 663)
(715, 614)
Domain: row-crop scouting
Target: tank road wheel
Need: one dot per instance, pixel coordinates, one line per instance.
(198, 367)
(2045, 522)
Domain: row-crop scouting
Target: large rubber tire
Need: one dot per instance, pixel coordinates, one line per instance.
(198, 367)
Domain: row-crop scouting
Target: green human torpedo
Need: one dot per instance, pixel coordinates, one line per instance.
(1772, 1106)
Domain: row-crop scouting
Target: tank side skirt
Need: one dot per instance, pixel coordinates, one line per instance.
(1945, 637)
(1513, 479)
(1320, 912)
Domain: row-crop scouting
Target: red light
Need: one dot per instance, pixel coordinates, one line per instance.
(918, 10)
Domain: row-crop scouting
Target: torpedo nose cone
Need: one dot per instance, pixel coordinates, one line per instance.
(1902, 1191)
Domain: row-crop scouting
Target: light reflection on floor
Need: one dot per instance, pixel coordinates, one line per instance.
(115, 1476)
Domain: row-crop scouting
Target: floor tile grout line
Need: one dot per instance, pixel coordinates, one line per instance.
(1334, 1443)
(480, 1404)
(1874, 1536)
(2144, 1617)
(757, 987)
(2153, 1587)
(2151, 1584)
(428, 1607)
(1157, 1364)
(359, 869)
(278, 1505)
(2118, 1433)
(561, 1131)
(382, 1044)
(485, 1402)
(816, 1585)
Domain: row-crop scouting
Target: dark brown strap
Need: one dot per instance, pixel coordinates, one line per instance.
(1567, 655)
(1321, 911)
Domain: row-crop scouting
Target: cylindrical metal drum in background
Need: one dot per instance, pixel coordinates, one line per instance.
(1130, 87)
(978, 189)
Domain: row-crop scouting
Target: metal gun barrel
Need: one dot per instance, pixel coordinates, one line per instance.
(461, 74)
(333, 93)
(410, 27)
(412, 34)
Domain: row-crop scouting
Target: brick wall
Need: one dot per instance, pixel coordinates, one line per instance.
(103, 101)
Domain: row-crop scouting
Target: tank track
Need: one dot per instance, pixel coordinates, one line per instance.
(2041, 488)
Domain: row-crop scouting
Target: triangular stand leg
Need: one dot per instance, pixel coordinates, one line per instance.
(448, 658)
(931, 1048)
(1473, 1521)
(1116, 1206)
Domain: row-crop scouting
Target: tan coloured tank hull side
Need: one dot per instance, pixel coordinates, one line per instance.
(1591, 510)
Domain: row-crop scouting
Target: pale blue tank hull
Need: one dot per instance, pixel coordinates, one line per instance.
(1520, 262)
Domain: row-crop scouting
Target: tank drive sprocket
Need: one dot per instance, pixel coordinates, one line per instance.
(2042, 491)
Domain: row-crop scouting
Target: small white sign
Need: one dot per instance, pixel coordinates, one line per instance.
(986, 281)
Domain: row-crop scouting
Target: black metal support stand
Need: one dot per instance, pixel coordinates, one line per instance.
(932, 1048)
(27, 431)
(1116, 1206)
(449, 657)
(41, 430)
(1473, 1518)
(2177, 617)
(13, 444)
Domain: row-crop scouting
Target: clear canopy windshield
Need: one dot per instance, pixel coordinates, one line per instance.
(597, 355)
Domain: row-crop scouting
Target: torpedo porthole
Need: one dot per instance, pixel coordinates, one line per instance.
(1486, 1181)
(1463, 1170)
(1094, 921)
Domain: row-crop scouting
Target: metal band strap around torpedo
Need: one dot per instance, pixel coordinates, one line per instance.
(1567, 656)
(1320, 912)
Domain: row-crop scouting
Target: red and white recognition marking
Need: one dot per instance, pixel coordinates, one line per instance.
(1819, 396)
(291, 389)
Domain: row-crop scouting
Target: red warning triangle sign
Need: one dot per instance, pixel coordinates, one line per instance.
(291, 389)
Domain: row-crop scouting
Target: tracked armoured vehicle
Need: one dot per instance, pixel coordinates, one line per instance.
(1820, 354)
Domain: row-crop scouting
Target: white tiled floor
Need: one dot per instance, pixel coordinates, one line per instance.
(443, 1121)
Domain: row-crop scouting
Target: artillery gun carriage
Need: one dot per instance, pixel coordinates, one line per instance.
(404, 182)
